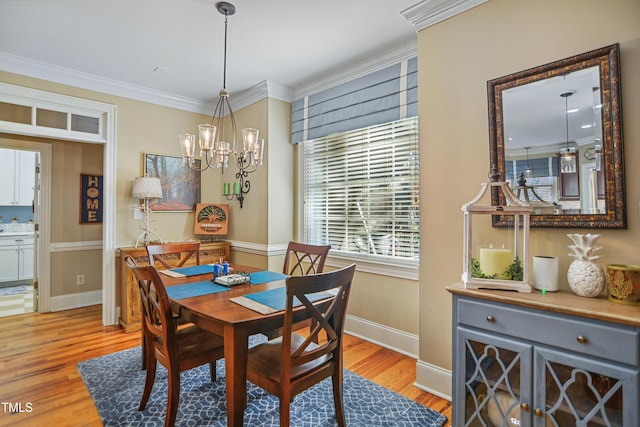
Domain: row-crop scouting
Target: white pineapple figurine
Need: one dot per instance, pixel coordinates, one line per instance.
(585, 277)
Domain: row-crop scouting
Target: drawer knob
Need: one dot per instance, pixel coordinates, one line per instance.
(581, 339)
(524, 407)
(491, 319)
(538, 412)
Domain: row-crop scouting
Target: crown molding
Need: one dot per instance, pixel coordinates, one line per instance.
(262, 90)
(265, 89)
(430, 12)
(42, 70)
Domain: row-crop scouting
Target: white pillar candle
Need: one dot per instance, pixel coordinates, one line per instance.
(545, 273)
(495, 261)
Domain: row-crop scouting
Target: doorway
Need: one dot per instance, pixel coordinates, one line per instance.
(20, 208)
(75, 119)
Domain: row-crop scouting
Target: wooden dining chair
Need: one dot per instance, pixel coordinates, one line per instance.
(292, 363)
(177, 349)
(301, 259)
(182, 251)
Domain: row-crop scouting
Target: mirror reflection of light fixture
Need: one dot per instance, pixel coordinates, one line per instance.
(213, 148)
(528, 172)
(147, 188)
(598, 149)
(567, 154)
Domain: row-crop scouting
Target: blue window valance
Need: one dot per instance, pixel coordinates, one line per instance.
(547, 166)
(383, 96)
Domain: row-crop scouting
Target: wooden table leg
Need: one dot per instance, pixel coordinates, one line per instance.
(236, 345)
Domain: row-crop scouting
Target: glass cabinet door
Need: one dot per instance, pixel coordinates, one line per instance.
(581, 391)
(494, 382)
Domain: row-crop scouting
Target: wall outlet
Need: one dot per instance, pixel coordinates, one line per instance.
(80, 279)
(137, 213)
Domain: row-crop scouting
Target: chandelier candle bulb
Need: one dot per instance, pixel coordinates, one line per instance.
(249, 137)
(188, 144)
(495, 261)
(207, 136)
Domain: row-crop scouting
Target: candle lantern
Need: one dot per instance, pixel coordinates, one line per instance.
(493, 259)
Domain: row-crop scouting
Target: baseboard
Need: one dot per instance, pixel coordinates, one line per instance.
(433, 379)
(430, 378)
(393, 339)
(80, 299)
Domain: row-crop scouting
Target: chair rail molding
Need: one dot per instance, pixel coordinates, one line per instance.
(258, 248)
(89, 245)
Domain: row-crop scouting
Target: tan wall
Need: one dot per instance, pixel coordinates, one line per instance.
(386, 300)
(69, 160)
(141, 128)
(456, 59)
(281, 178)
(148, 128)
(250, 224)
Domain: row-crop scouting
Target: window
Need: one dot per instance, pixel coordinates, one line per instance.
(361, 191)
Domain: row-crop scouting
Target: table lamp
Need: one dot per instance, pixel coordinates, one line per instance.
(146, 188)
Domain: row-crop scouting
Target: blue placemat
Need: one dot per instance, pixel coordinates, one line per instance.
(277, 298)
(266, 276)
(194, 270)
(194, 289)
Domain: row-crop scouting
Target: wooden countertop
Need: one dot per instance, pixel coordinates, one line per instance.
(564, 302)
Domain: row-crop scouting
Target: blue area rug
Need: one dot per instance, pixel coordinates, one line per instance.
(116, 382)
(13, 290)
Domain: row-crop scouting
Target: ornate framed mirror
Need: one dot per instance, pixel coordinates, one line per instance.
(556, 137)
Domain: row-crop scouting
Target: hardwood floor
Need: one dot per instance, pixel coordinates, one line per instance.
(40, 384)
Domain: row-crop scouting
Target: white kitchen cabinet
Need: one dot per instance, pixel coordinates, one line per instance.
(17, 177)
(16, 258)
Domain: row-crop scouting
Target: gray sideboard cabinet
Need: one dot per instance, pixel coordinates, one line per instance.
(544, 360)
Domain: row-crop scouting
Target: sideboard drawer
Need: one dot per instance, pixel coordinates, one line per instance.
(594, 338)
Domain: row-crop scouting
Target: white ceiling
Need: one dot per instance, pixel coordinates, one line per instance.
(289, 43)
(536, 116)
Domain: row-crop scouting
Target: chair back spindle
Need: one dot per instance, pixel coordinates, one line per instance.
(302, 259)
(182, 250)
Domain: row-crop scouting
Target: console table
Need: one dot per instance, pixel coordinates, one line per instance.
(543, 359)
(130, 310)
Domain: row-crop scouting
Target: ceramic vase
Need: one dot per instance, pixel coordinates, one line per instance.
(623, 283)
(586, 278)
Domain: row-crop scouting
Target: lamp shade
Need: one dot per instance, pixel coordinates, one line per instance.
(146, 187)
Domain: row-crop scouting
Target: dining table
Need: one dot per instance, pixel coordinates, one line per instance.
(217, 313)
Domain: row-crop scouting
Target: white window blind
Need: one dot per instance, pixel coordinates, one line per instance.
(361, 191)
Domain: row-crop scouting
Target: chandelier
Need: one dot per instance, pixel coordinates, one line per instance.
(215, 147)
(567, 154)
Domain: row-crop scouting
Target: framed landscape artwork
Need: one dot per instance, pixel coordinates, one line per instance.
(180, 185)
